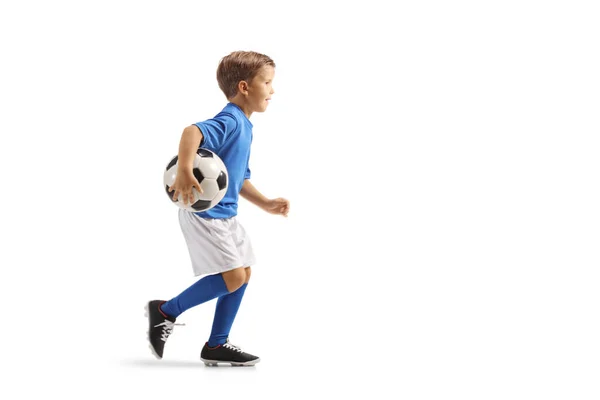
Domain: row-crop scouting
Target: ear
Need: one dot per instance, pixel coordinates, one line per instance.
(243, 87)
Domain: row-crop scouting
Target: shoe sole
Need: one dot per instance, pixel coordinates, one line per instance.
(215, 363)
(147, 315)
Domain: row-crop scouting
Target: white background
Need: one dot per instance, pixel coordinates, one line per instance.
(441, 159)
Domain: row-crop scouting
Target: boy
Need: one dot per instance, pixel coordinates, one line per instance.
(218, 245)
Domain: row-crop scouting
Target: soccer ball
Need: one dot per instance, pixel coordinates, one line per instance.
(210, 171)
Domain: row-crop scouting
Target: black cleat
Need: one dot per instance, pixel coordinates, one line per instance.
(228, 354)
(160, 327)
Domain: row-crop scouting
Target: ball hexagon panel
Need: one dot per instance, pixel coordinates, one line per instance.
(220, 195)
(210, 188)
(221, 164)
(170, 175)
(209, 168)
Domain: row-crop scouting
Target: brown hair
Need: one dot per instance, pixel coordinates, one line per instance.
(239, 66)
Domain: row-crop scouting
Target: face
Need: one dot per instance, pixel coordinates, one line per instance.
(261, 89)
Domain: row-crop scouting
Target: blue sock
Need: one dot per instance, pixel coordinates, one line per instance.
(201, 291)
(225, 312)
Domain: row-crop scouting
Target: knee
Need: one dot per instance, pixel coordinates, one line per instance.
(234, 279)
(248, 273)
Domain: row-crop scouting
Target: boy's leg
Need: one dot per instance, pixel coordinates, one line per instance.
(162, 314)
(218, 349)
(225, 313)
(201, 291)
(228, 305)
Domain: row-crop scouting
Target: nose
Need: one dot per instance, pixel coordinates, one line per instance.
(272, 90)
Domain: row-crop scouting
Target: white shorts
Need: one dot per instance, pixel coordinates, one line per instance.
(215, 245)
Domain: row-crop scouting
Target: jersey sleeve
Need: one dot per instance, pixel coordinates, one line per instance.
(248, 173)
(216, 131)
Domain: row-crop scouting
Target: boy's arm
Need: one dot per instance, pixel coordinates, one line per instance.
(185, 179)
(188, 145)
(279, 206)
(251, 193)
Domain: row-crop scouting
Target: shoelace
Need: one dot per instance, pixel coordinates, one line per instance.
(232, 347)
(167, 329)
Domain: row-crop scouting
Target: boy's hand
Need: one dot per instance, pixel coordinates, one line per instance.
(184, 182)
(279, 206)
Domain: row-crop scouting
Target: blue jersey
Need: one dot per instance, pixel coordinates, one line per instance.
(229, 135)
